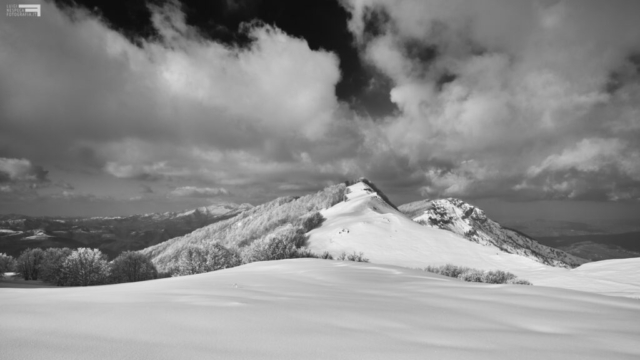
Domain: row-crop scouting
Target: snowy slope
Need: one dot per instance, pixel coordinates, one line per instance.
(365, 223)
(315, 309)
(471, 222)
(257, 225)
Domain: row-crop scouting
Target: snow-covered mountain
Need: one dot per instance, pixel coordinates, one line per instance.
(473, 224)
(357, 218)
(364, 222)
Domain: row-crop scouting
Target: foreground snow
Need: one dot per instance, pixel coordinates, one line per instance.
(365, 223)
(316, 309)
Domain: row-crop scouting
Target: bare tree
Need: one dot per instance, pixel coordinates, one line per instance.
(51, 268)
(132, 266)
(28, 263)
(196, 260)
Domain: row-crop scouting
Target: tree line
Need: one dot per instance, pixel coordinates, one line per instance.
(80, 267)
(84, 266)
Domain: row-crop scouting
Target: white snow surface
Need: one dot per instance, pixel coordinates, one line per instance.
(366, 223)
(315, 309)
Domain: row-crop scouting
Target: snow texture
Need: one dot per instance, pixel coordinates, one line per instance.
(316, 309)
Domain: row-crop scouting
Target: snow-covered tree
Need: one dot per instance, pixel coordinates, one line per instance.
(86, 267)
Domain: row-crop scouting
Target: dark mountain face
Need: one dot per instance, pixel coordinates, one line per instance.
(112, 235)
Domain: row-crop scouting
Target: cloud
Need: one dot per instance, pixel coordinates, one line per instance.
(593, 168)
(197, 192)
(495, 98)
(73, 196)
(20, 179)
(493, 94)
(21, 170)
(153, 111)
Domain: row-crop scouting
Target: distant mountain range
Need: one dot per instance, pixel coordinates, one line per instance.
(111, 235)
(539, 228)
(594, 240)
(597, 247)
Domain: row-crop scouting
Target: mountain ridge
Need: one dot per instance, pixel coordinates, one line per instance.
(473, 224)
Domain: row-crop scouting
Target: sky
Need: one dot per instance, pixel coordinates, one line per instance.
(528, 109)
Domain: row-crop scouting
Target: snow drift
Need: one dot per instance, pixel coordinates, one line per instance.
(315, 309)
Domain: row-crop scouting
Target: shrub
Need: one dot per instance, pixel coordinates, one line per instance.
(518, 282)
(306, 253)
(51, 268)
(498, 277)
(357, 257)
(303, 253)
(447, 270)
(325, 255)
(475, 275)
(472, 275)
(86, 267)
(132, 266)
(28, 263)
(7, 264)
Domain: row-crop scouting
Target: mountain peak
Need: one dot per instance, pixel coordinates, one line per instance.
(371, 188)
(472, 223)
